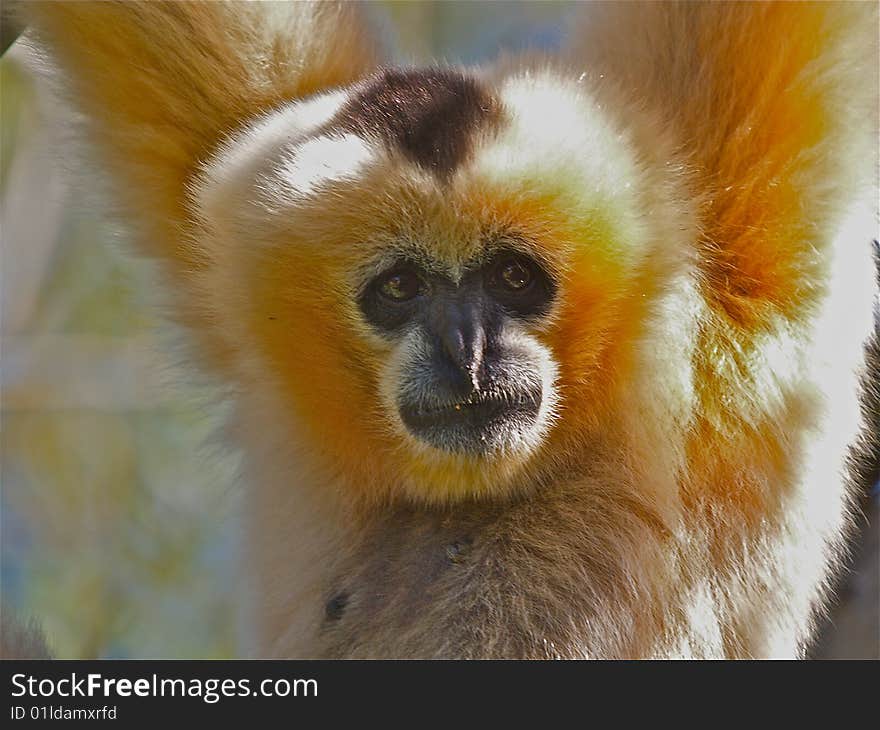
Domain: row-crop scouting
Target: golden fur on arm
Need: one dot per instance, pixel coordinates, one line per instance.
(774, 110)
(163, 83)
(768, 101)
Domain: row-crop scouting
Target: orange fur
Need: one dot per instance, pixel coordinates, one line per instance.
(700, 179)
(156, 126)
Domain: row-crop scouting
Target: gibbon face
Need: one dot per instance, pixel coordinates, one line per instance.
(433, 267)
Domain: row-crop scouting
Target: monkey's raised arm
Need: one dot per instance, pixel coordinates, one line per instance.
(162, 83)
(774, 106)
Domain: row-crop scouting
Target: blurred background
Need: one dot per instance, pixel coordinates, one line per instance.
(118, 510)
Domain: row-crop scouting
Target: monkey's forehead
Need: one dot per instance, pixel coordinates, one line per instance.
(431, 116)
(433, 126)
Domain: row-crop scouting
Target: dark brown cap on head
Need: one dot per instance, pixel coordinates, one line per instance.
(432, 116)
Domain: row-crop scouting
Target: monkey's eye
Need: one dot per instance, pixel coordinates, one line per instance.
(392, 299)
(519, 284)
(514, 274)
(401, 285)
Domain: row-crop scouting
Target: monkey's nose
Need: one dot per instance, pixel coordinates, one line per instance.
(462, 342)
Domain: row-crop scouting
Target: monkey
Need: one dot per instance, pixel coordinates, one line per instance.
(555, 357)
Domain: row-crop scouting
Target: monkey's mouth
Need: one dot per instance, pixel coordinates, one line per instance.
(481, 424)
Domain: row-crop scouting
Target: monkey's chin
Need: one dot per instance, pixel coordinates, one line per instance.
(480, 427)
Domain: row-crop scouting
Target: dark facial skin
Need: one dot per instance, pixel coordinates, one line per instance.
(476, 388)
